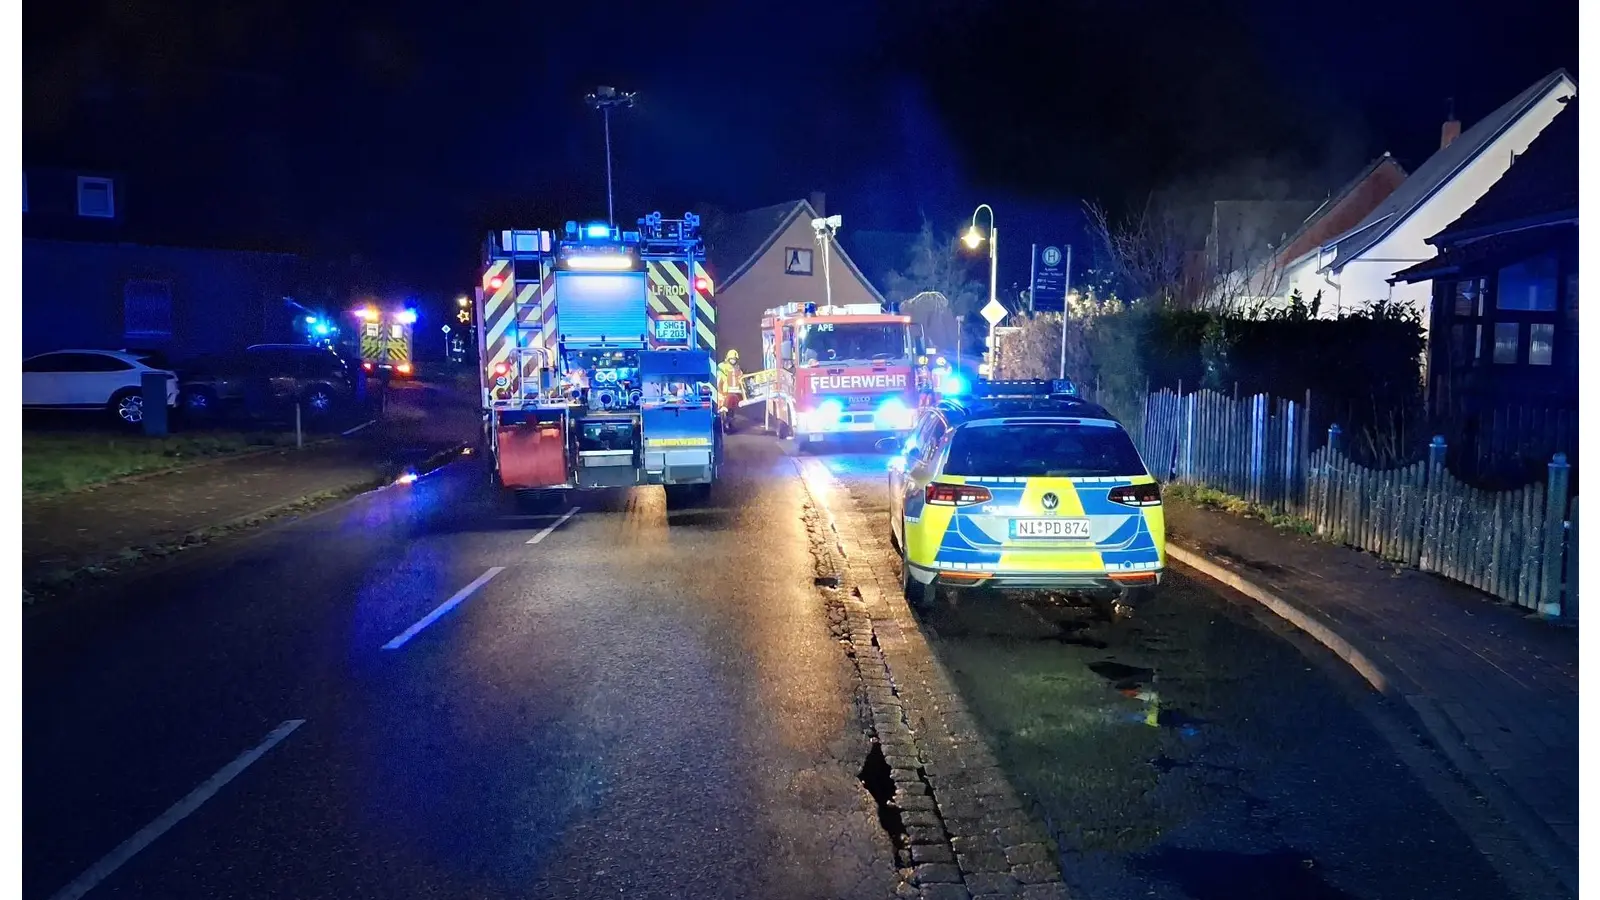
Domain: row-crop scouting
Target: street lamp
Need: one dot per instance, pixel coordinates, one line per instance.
(605, 99)
(973, 238)
(826, 229)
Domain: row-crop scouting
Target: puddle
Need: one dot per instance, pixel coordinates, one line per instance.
(1121, 675)
(1177, 718)
(1214, 875)
(877, 777)
(1073, 633)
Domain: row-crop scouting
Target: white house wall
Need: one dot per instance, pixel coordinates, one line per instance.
(1365, 278)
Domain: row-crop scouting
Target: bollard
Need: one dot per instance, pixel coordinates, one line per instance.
(1555, 525)
(153, 390)
(299, 438)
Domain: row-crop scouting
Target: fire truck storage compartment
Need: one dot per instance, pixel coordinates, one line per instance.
(532, 449)
(603, 305)
(608, 451)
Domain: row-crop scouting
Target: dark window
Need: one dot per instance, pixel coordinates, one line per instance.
(147, 309)
(1506, 337)
(1055, 449)
(1541, 343)
(1469, 298)
(75, 362)
(836, 342)
(1528, 286)
(96, 199)
(50, 362)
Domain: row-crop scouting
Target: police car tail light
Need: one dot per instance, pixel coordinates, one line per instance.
(1136, 495)
(956, 495)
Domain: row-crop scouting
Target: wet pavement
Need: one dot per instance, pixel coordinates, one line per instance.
(1193, 751)
(631, 702)
(432, 691)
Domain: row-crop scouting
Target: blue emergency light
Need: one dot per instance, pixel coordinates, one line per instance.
(597, 230)
(407, 317)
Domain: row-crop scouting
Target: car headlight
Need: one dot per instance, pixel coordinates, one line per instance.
(893, 415)
(826, 415)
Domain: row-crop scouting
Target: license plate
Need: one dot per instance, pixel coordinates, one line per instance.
(1051, 529)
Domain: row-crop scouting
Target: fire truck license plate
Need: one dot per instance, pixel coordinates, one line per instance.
(1051, 529)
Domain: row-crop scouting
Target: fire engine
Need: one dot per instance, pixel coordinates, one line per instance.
(386, 339)
(838, 370)
(597, 358)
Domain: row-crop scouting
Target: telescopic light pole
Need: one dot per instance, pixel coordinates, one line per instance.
(605, 99)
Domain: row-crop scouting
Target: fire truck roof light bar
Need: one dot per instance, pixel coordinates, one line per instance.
(601, 263)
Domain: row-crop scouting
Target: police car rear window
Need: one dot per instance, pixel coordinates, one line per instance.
(1042, 449)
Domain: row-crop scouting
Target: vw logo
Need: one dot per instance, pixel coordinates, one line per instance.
(1051, 501)
(1052, 256)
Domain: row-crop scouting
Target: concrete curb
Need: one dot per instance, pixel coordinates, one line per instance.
(1539, 838)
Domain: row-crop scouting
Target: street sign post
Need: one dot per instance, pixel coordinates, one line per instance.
(1051, 271)
(993, 312)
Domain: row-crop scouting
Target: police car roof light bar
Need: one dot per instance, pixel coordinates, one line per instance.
(1029, 387)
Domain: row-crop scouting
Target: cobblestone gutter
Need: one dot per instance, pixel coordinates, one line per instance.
(960, 830)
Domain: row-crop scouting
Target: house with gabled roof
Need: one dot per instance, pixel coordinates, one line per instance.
(1354, 268)
(1505, 289)
(1248, 252)
(768, 257)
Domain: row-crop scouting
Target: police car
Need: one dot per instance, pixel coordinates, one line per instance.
(1022, 485)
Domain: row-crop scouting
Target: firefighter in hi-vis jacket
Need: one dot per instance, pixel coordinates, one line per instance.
(730, 390)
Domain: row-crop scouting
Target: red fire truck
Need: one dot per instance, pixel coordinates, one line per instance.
(836, 371)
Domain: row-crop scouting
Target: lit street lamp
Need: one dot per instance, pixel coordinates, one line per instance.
(606, 99)
(973, 238)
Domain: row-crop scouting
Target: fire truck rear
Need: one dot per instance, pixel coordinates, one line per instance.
(597, 359)
(838, 370)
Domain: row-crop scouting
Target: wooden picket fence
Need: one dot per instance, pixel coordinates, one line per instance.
(1519, 545)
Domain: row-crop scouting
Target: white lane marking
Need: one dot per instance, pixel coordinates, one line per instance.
(147, 835)
(358, 428)
(531, 517)
(554, 525)
(400, 639)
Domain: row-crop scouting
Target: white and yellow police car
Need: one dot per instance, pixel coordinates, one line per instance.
(1023, 486)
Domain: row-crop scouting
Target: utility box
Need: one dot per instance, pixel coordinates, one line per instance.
(153, 389)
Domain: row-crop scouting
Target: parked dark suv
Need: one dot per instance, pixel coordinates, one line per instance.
(268, 378)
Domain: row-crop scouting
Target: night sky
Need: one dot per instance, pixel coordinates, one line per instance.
(405, 130)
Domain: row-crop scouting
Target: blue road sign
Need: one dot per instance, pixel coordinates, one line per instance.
(1050, 273)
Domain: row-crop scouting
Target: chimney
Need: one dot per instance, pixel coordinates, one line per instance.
(819, 202)
(1452, 126)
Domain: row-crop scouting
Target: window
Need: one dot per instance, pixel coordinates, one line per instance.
(96, 199)
(1042, 449)
(147, 309)
(1469, 298)
(1541, 343)
(75, 362)
(1506, 337)
(797, 261)
(1528, 286)
(832, 343)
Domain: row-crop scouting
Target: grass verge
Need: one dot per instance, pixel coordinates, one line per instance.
(1207, 498)
(66, 580)
(61, 463)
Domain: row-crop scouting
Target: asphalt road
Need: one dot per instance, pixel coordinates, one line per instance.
(631, 702)
(1200, 750)
(639, 702)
